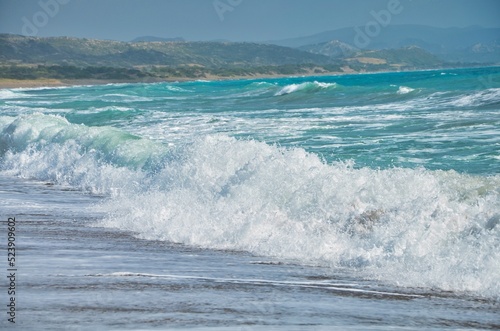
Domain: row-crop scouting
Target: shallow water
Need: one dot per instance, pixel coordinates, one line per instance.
(73, 276)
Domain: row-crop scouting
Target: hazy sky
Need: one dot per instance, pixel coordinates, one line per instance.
(235, 20)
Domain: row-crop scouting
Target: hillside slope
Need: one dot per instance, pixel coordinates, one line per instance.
(89, 52)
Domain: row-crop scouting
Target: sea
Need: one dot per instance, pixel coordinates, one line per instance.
(350, 202)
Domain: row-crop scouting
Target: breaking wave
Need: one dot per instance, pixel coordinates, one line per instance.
(305, 87)
(405, 90)
(411, 227)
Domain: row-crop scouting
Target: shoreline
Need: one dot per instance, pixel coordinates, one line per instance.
(38, 83)
(184, 285)
(7, 83)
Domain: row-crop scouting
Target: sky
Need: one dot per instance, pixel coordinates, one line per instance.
(233, 20)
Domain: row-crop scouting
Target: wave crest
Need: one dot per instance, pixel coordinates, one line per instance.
(405, 90)
(413, 227)
(305, 87)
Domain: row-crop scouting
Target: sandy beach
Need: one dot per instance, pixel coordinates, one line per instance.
(27, 83)
(46, 82)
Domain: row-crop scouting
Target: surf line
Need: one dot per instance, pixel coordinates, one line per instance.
(11, 269)
(339, 287)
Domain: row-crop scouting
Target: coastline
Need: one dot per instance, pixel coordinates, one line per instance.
(27, 83)
(45, 82)
(7, 83)
(73, 269)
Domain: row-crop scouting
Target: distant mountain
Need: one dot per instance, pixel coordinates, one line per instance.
(451, 44)
(155, 39)
(480, 52)
(89, 52)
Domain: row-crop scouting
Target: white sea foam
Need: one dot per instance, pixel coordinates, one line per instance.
(49, 148)
(405, 90)
(412, 227)
(125, 97)
(307, 86)
(478, 98)
(174, 88)
(337, 286)
(11, 94)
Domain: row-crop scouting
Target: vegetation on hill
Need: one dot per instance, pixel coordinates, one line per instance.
(71, 58)
(88, 52)
(332, 48)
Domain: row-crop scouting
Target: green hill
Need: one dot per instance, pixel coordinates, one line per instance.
(89, 52)
(66, 58)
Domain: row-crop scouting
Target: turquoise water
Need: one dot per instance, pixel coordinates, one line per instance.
(391, 177)
(435, 119)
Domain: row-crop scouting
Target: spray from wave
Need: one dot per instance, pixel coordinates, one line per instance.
(412, 227)
(481, 98)
(305, 87)
(405, 90)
